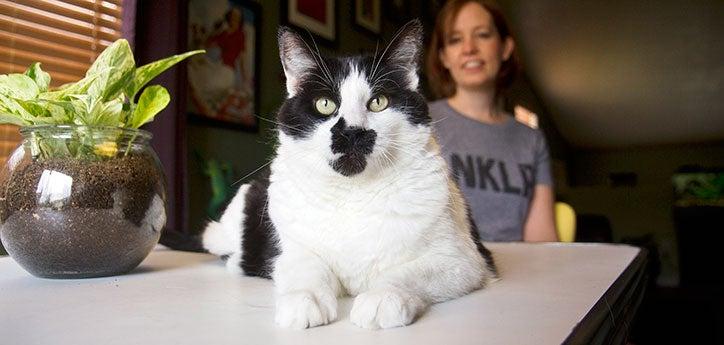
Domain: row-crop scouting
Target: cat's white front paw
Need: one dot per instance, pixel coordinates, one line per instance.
(385, 309)
(303, 309)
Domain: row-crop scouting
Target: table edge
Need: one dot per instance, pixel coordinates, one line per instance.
(632, 279)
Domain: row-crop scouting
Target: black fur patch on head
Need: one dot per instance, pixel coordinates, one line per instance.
(350, 164)
(259, 246)
(354, 143)
(297, 115)
(352, 140)
(387, 79)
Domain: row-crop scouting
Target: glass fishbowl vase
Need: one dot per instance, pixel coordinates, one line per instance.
(81, 201)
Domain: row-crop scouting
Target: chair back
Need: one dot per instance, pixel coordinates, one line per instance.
(565, 222)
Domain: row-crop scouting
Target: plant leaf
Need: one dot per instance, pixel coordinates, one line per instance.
(114, 69)
(5, 107)
(77, 88)
(117, 55)
(147, 72)
(59, 113)
(18, 86)
(11, 106)
(12, 119)
(153, 99)
(34, 113)
(84, 106)
(40, 111)
(62, 112)
(110, 113)
(33, 107)
(40, 77)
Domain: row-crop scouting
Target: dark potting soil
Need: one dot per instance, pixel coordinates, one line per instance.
(131, 181)
(107, 225)
(76, 243)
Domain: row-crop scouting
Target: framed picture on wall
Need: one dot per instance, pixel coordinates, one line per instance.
(317, 16)
(367, 15)
(224, 82)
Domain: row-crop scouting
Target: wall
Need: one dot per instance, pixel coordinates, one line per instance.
(155, 39)
(646, 207)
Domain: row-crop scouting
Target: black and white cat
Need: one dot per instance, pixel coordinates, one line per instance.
(358, 200)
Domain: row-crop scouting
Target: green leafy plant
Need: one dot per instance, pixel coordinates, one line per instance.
(107, 97)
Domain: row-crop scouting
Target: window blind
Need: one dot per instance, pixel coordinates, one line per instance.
(65, 36)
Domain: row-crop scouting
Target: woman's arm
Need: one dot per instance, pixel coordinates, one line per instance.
(540, 225)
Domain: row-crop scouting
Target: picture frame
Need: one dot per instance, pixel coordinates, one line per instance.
(368, 15)
(316, 16)
(224, 82)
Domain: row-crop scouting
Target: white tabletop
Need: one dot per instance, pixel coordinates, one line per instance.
(187, 298)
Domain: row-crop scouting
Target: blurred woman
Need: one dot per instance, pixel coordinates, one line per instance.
(501, 165)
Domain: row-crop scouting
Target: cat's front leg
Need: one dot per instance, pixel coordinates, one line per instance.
(306, 289)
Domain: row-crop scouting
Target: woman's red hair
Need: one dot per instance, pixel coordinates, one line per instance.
(439, 78)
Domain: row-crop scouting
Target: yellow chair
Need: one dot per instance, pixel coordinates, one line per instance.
(565, 222)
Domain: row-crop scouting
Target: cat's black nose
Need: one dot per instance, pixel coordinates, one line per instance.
(352, 140)
(354, 143)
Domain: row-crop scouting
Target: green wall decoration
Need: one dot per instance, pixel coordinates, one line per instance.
(220, 178)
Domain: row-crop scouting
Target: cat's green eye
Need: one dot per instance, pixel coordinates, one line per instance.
(378, 104)
(325, 106)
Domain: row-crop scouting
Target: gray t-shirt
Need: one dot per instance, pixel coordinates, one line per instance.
(497, 167)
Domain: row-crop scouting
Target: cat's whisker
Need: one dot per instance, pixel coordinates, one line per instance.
(386, 154)
(294, 128)
(383, 78)
(323, 64)
(374, 57)
(395, 167)
(324, 87)
(397, 34)
(318, 60)
(384, 160)
(391, 81)
(401, 155)
(324, 77)
(405, 143)
(253, 172)
(380, 79)
(438, 121)
(407, 151)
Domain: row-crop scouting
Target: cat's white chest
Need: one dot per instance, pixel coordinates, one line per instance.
(358, 230)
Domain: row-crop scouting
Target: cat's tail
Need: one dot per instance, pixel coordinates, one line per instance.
(182, 241)
(223, 238)
(214, 239)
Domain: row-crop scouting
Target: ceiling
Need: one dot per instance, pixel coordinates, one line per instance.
(617, 74)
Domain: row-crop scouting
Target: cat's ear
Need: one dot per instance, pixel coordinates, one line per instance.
(297, 59)
(404, 51)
